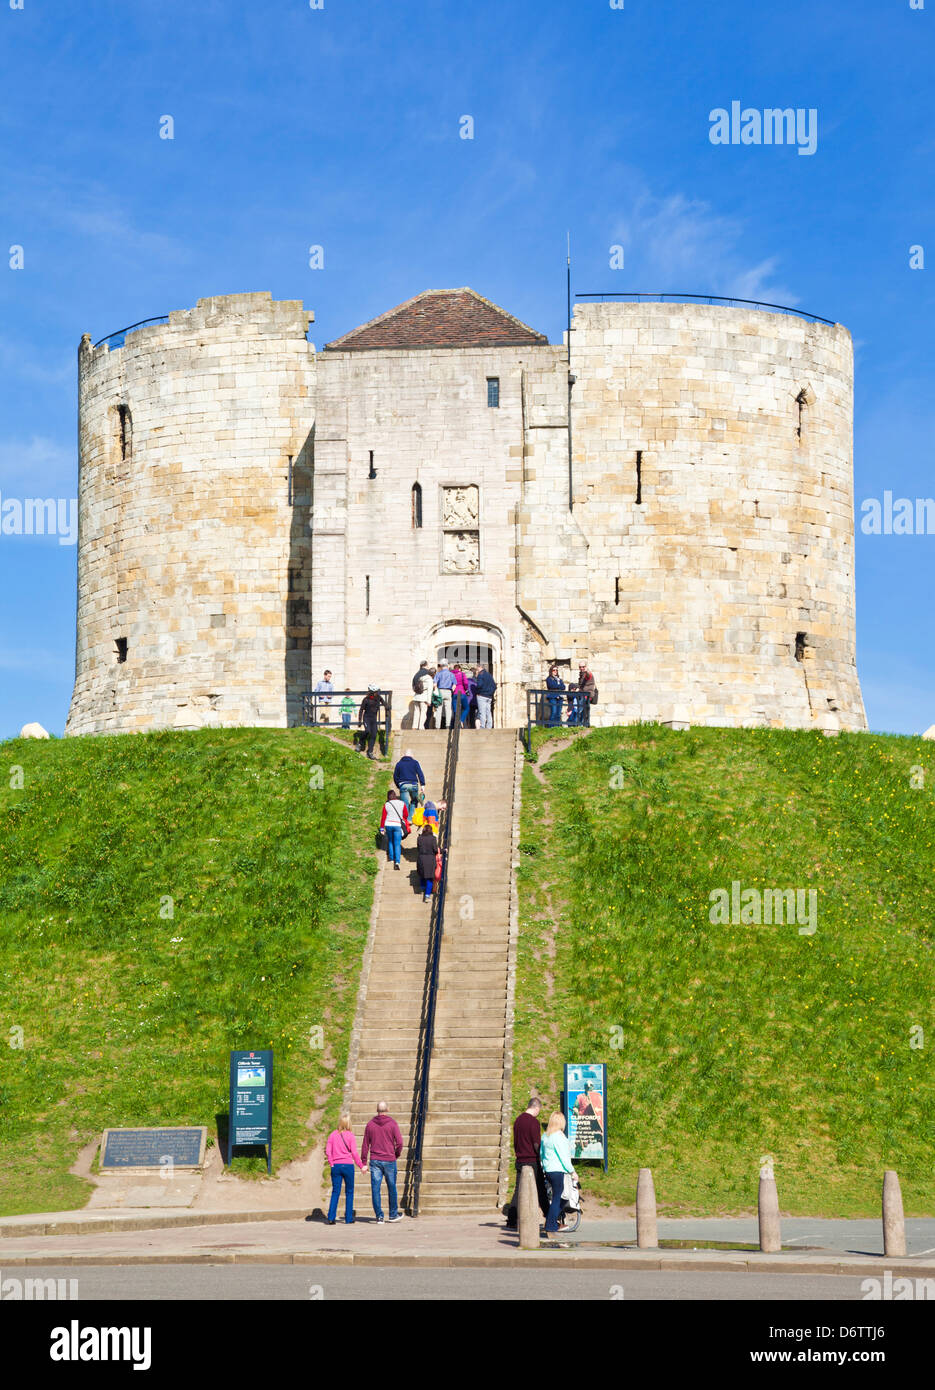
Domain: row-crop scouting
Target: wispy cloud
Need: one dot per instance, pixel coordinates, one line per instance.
(683, 243)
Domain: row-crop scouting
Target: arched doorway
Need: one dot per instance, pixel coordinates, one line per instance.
(472, 643)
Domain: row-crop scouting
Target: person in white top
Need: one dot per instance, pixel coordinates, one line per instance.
(555, 1153)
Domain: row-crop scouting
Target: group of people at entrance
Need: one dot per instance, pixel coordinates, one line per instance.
(443, 695)
(407, 808)
(382, 1146)
(580, 695)
(549, 1156)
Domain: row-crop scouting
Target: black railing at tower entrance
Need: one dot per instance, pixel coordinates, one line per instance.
(430, 995)
(675, 297)
(545, 710)
(322, 709)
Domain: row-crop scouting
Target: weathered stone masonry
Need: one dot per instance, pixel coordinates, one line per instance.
(705, 570)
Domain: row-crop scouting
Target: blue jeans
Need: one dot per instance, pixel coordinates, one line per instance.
(345, 721)
(555, 711)
(576, 710)
(380, 1168)
(409, 791)
(394, 842)
(342, 1173)
(557, 1184)
(427, 885)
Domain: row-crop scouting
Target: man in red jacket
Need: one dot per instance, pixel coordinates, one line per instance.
(527, 1134)
(383, 1143)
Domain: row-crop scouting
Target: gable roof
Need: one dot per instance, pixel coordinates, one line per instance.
(440, 319)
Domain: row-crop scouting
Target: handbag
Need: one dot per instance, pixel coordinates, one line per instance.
(438, 865)
(594, 696)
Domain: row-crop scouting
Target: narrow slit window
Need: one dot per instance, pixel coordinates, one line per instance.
(801, 401)
(801, 642)
(373, 471)
(417, 506)
(617, 590)
(493, 391)
(367, 594)
(639, 477)
(121, 645)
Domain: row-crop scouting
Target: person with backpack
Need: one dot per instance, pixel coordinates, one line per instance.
(368, 716)
(341, 1153)
(485, 688)
(410, 779)
(587, 695)
(427, 860)
(394, 823)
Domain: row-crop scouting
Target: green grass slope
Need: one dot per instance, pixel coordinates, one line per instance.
(725, 1043)
(125, 1012)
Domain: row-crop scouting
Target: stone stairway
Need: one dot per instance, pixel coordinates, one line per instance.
(461, 1152)
(389, 1016)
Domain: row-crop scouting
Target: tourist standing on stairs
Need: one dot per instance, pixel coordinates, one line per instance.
(485, 688)
(384, 1143)
(341, 1153)
(427, 859)
(444, 684)
(368, 716)
(409, 777)
(555, 1157)
(394, 823)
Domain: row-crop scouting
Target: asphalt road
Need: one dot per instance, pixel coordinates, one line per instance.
(365, 1283)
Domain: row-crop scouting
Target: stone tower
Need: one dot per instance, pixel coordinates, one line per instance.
(184, 518)
(670, 498)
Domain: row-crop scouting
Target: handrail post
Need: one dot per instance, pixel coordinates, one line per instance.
(414, 1177)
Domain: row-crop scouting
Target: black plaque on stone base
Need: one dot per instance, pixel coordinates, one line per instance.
(156, 1149)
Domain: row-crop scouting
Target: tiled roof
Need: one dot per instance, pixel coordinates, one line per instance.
(440, 319)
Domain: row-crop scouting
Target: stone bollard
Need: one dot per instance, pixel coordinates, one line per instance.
(894, 1223)
(646, 1236)
(527, 1209)
(768, 1209)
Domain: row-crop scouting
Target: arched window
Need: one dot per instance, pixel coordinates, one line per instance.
(416, 506)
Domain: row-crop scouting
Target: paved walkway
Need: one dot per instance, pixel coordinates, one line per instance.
(840, 1247)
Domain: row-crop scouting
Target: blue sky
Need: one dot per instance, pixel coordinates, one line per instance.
(339, 127)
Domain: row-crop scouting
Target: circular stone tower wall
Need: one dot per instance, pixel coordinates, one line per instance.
(185, 434)
(714, 485)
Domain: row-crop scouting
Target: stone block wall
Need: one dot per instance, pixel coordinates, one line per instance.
(725, 594)
(185, 522)
(388, 593)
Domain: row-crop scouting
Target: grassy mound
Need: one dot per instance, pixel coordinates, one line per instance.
(728, 1042)
(163, 899)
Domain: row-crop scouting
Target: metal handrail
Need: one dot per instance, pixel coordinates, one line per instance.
(662, 295)
(160, 318)
(430, 997)
(313, 701)
(536, 700)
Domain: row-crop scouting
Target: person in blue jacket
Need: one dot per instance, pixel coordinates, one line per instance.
(554, 682)
(555, 1156)
(485, 687)
(409, 778)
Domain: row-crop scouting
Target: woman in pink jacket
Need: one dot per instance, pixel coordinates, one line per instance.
(341, 1153)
